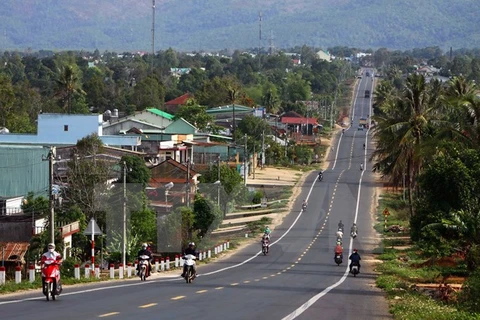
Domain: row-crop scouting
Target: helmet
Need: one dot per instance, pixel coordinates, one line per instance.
(191, 244)
(354, 224)
(51, 246)
(355, 250)
(144, 246)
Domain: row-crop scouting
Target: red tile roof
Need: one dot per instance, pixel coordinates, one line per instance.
(292, 120)
(15, 251)
(179, 100)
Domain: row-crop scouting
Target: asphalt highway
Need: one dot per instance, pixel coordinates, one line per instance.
(297, 279)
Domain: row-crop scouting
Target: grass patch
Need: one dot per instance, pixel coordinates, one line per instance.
(259, 225)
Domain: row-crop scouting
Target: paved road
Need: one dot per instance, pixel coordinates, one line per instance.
(246, 285)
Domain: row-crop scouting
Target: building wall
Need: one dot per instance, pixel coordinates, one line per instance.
(15, 231)
(68, 127)
(22, 170)
(115, 128)
(152, 118)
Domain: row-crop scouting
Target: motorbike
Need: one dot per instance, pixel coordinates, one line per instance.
(304, 206)
(51, 284)
(264, 247)
(354, 269)
(338, 259)
(144, 264)
(190, 263)
(353, 234)
(320, 177)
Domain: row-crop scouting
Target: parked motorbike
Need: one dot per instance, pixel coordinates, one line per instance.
(264, 247)
(190, 263)
(354, 269)
(51, 284)
(144, 265)
(338, 259)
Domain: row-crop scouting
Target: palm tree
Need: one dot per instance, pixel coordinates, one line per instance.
(403, 129)
(67, 86)
(464, 109)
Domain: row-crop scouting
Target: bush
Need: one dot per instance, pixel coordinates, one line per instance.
(257, 197)
(68, 267)
(470, 295)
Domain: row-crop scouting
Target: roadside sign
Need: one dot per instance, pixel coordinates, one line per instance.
(92, 229)
(386, 212)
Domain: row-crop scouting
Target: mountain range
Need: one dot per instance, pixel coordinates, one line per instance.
(196, 25)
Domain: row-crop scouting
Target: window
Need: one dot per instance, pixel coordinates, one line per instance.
(65, 127)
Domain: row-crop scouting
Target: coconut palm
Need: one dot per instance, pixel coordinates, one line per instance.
(67, 86)
(403, 129)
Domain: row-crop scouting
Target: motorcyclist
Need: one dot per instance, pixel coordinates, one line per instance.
(355, 258)
(51, 255)
(343, 131)
(339, 234)
(354, 229)
(320, 174)
(305, 203)
(364, 146)
(267, 232)
(361, 166)
(145, 251)
(190, 250)
(340, 225)
(338, 250)
(266, 238)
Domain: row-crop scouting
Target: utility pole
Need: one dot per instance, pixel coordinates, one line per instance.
(263, 148)
(218, 178)
(245, 162)
(187, 191)
(51, 158)
(259, 39)
(124, 238)
(153, 35)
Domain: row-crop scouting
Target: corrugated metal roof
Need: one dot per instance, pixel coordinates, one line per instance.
(161, 113)
(15, 251)
(23, 170)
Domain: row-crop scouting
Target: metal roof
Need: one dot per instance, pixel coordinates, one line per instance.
(161, 113)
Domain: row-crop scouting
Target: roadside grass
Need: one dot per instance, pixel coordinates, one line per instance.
(404, 267)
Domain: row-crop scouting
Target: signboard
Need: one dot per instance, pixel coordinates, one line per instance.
(386, 212)
(92, 229)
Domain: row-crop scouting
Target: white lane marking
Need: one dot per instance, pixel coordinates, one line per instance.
(172, 278)
(315, 298)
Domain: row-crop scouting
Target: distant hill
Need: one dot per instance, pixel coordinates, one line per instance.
(186, 25)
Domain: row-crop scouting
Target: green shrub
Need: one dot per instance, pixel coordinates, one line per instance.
(68, 267)
(257, 197)
(470, 295)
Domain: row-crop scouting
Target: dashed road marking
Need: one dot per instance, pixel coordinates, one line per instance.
(177, 298)
(108, 314)
(148, 305)
(201, 291)
(246, 281)
(218, 288)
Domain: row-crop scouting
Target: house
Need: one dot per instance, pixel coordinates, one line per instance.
(324, 55)
(300, 128)
(181, 126)
(168, 184)
(151, 118)
(172, 106)
(66, 129)
(224, 115)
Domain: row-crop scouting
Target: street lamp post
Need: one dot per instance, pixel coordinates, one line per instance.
(124, 238)
(51, 158)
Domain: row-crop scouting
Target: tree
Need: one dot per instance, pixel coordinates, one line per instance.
(68, 85)
(401, 131)
(207, 215)
(137, 171)
(87, 175)
(148, 93)
(7, 99)
(196, 115)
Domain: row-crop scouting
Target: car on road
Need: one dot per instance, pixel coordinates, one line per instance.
(360, 127)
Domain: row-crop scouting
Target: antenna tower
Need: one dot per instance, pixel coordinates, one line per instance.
(259, 38)
(272, 48)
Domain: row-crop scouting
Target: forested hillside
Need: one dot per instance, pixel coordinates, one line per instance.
(219, 24)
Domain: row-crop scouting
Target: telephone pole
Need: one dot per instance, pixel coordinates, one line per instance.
(187, 190)
(51, 158)
(245, 162)
(124, 238)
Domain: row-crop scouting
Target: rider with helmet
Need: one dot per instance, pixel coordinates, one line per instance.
(354, 229)
(267, 232)
(51, 255)
(355, 258)
(145, 251)
(190, 250)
